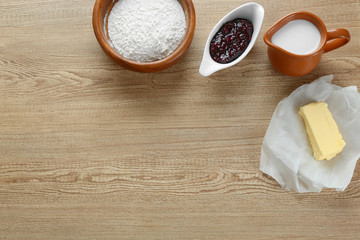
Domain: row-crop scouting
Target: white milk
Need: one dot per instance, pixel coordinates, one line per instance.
(298, 36)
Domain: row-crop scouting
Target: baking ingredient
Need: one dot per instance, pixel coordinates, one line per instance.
(322, 130)
(146, 30)
(231, 40)
(286, 154)
(298, 36)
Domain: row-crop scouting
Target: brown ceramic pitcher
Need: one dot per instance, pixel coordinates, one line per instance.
(298, 65)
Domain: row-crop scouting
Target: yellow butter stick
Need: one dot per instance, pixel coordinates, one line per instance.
(322, 130)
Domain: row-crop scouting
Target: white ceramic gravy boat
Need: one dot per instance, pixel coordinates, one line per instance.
(253, 12)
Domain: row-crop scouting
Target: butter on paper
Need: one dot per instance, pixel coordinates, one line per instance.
(286, 154)
(324, 136)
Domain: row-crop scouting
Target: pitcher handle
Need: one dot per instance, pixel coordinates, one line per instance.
(336, 38)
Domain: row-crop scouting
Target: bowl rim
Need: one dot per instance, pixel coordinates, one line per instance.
(153, 66)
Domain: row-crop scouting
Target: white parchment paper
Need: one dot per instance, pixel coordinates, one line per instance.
(286, 154)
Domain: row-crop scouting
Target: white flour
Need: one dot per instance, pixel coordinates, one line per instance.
(146, 30)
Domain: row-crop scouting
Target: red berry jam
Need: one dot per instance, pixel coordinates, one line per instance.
(231, 40)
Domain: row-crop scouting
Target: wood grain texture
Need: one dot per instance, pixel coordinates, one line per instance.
(89, 150)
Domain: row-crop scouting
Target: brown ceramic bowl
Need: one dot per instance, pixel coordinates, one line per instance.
(100, 13)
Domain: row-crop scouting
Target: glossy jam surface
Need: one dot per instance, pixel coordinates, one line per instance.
(231, 40)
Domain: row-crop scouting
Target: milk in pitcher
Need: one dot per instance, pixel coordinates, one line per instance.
(298, 36)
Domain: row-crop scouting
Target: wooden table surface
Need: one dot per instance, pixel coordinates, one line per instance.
(89, 150)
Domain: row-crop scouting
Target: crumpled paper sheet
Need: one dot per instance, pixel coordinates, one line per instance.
(286, 154)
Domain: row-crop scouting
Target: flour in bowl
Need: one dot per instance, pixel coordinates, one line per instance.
(146, 30)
